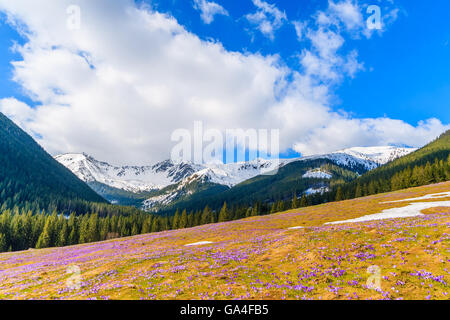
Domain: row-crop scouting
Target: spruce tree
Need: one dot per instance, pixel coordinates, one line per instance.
(182, 224)
(303, 201)
(223, 214)
(339, 195)
(206, 216)
(294, 202)
(3, 243)
(44, 240)
(175, 220)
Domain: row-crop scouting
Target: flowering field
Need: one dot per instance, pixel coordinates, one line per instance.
(290, 255)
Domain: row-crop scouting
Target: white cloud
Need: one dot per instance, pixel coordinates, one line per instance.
(208, 10)
(300, 28)
(121, 84)
(268, 18)
(347, 132)
(324, 59)
(17, 111)
(348, 12)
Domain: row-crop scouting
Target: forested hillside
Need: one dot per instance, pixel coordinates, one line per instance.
(31, 179)
(430, 164)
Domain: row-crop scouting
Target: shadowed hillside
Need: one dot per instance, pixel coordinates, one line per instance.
(30, 178)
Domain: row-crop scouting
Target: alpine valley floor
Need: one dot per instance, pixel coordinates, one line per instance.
(290, 255)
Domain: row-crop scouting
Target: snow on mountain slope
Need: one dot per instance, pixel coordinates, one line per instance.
(367, 157)
(129, 178)
(231, 174)
(163, 174)
(179, 175)
(317, 174)
(380, 155)
(320, 190)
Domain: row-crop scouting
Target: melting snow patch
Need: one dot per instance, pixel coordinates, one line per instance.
(412, 210)
(426, 197)
(295, 228)
(198, 243)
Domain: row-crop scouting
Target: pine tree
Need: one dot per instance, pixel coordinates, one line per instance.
(190, 219)
(84, 232)
(358, 191)
(339, 195)
(303, 201)
(294, 202)
(63, 236)
(280, 206)
(175, 221)
(256, 209)
(182, 224)
(44, 240)
(134, 230)
(206, 216)
(156, 226)
(93, 230)
(3, 243)
(224, 214)
(147, 225)
(273, 209)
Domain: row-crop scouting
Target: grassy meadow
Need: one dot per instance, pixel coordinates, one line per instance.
(255, 258)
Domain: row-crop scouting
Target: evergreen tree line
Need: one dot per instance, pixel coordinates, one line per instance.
(23, 229)
(416, 176)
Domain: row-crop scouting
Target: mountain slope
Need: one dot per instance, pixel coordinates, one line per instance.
(31, 178)
(160, 175)
(380, 155)
(424, 166)
(293, 178)
(166, 184)
(131, 185)
(310, 175)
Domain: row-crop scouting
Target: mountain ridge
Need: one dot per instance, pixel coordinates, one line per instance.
(161, 182)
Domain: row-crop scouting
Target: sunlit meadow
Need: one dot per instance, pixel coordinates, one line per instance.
(255, 258)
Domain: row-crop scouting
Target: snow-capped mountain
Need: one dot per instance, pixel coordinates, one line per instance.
(169, 181)
(379, 155)
(162, 174)
(129, 178)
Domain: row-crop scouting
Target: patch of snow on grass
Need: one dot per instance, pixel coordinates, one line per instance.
(426, 197)
(295, 228)
(412, 210)
(198, 243)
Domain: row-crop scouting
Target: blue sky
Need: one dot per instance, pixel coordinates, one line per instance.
(403, 72)
(407, 72)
